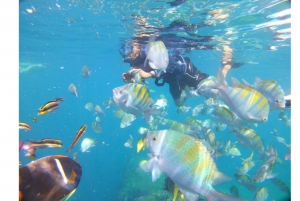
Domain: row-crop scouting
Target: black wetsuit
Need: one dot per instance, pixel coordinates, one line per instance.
(180, 73)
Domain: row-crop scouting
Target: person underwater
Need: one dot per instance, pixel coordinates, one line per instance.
(152, 60)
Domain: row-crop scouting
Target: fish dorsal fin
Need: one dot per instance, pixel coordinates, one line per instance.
(236, 83)
(257, 80)
(246, 83)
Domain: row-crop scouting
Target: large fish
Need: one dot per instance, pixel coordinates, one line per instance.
(187, 162)
(271, 90)
(247, 103)
(157, 55)
(135, 99)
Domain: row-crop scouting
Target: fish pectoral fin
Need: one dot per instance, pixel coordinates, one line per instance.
(156, 172)
(272, 175)
(189, 195)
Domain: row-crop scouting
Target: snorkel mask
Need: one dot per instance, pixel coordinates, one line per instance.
(125, 51)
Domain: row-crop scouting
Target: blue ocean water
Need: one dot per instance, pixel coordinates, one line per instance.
(59, 37)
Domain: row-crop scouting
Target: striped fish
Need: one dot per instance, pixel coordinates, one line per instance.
(247, 103)
(225, 115)
(249, 138)
(261, 194)
(79, 133)
(187, 162)
(271, 90)
(157, 55)
(135, 99)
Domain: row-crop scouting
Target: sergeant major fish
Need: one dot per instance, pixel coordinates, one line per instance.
(188, 164)
(135, 99)
(248, 104)
(271, 90)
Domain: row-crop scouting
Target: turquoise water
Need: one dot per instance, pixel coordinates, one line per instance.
(63, 36)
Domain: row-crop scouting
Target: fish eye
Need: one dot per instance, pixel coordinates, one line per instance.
(264, 119)
(121, 91)
(277, 101)
(154, 139)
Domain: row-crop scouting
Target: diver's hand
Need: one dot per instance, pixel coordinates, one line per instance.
(127, 77)
(142, 73)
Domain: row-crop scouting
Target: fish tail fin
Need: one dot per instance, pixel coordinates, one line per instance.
(148, 113)
(221, 82)
(218, 196)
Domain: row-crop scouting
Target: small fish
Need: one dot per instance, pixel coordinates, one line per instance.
(265, 170)
(183, 109)
(34, 119)
(135, 99)
(261, 194)
(96, 127)
(197, 109)
(128, 143)
(108, 103)
(233, 151)
(221, 127)
(225, 115)
(282, 140)
(48, 107)
(245, 168)
(208, 123)
(98, 119)
(160, 103)
(46, 143)
(99, 110)
(234, 191)
(127, 120)
(207, 110)
(142, 130)
(79, 133)
(89, 106)
(281, 185)
(86, 144)
(119, 114)
(73, 90)
(25, 126)
(85, 72)
(194, 124)
(249, 138)
(245, 181)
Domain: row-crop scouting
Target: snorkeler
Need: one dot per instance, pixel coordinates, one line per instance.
(179, 73)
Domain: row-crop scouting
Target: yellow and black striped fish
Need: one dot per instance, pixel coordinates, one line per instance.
(79, 133)
(48, 107)
(247, 103)
(25, 126)
(135, 99)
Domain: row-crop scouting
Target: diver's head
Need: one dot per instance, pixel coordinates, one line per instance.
(130, 51)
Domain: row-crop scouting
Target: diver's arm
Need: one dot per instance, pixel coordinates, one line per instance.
(144, 74)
